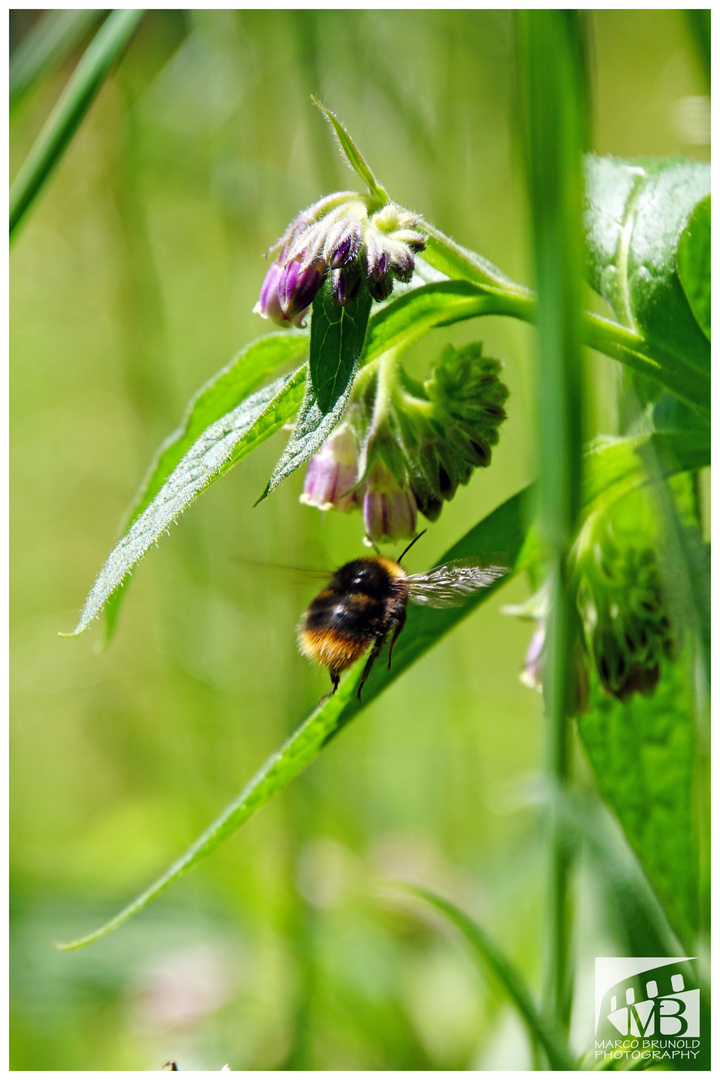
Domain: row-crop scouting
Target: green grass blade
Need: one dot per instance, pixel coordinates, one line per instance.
(552, 69)
(73, 104)
(492, 958)
(503, 530)
(48, 42)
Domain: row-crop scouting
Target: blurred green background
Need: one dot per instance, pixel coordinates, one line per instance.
(133, 281)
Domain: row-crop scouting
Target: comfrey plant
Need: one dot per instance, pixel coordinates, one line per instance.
(611, 538)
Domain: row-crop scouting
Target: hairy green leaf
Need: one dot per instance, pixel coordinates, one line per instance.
(693, 259)
(222, 393)
(398, 324)
(492, 958)
(612, 467)
(636, 214)
(220, 446)
(504, 530)
(336, 344)
(337, 336)
(351, 153)
(642, 752)
(459, 262)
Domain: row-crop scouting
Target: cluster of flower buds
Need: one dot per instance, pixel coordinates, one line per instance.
(351, 237)
(622, 607)
(625, 632)
(404, 446)
(455, 434)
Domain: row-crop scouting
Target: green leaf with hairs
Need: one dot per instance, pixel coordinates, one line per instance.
(642, 752)
(693, 259)
(337, 335)
(351, 153)
(635, 218)
(223, 392)
(220, 446)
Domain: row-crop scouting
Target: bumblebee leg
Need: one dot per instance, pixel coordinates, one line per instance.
(335, 683)
(377, 646)
(396, 633)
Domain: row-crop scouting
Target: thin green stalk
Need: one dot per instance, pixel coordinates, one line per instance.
(551, 64)
(48, 42)
(70, 109)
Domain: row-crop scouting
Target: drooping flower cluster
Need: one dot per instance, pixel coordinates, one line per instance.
(404, 446)
(460, 428)
(625, 630)
(623, 610)
(353, 238)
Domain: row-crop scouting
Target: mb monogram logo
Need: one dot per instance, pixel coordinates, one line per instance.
(647, 1008)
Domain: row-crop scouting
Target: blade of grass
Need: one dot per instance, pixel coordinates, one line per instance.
(73, 104)
(492, 957)
(552, 69)
(47, 43)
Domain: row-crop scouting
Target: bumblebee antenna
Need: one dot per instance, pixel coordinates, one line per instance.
(411, 544)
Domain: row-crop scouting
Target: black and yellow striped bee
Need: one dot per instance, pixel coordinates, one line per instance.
(365, 603)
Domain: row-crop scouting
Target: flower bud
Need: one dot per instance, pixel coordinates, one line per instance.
(414, 450)
(298, 287)
(269, 305)
(332, 472)
(346, 284)
(389, 510)
(344, 234)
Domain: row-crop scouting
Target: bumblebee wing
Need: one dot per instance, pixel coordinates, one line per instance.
(451, 584)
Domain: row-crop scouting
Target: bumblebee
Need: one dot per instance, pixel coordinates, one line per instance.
(365, 603)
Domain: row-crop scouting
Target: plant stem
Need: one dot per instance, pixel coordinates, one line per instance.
(70, 109)
(498, 296)
(551, 65)
(46, 44)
